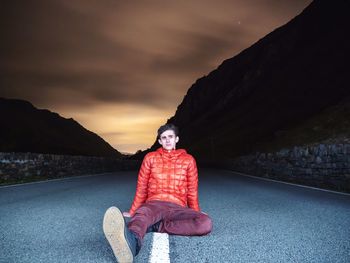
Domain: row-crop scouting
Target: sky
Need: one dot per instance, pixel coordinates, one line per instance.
(121, 68)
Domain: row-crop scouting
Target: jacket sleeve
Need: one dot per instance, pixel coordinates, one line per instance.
(142, 183)
(192, 186)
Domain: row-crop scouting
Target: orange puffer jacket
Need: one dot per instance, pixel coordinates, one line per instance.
(167, 176)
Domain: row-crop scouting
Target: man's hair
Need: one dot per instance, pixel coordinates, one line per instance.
(166, 127)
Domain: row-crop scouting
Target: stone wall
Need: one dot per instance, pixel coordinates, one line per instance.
(324, 165)
(22, 167)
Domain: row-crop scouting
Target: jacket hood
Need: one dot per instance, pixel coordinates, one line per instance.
(170, 154)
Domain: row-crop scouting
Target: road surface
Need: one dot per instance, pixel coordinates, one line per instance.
(254, 220)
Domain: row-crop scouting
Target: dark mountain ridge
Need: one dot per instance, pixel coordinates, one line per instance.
(286, 78)
(25, 128)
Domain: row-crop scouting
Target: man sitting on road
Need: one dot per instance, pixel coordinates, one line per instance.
(166, 200)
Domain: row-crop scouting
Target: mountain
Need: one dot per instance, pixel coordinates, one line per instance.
(290, 76)
(25, 128)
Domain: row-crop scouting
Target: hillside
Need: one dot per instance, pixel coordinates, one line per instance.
(286, 80)
(25, 128)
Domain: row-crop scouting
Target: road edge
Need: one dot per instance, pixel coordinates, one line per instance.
(282, 182)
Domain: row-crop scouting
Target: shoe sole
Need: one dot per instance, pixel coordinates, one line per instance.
(113, 227)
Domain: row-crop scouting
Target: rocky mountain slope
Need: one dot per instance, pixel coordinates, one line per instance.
(25, 128)
(290, 76)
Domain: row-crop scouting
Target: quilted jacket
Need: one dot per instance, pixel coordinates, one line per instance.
(167, 176)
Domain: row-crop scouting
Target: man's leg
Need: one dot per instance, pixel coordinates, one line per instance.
(185, 221)
(163, 217)
(147, 218)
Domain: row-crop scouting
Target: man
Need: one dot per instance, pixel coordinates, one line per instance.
(166, 200)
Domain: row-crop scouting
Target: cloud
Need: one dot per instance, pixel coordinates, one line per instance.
(202, 52)
(69, 55)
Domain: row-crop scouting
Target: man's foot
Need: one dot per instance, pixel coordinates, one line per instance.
(122, 241)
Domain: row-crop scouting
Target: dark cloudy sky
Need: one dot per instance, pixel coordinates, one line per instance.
(121, 68)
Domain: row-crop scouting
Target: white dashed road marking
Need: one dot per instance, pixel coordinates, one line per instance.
(160, 248)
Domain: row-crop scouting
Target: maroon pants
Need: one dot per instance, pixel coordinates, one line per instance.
(172, 219)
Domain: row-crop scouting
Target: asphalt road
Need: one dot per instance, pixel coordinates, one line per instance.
(253, 221)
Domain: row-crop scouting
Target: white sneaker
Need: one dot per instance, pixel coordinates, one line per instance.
(117, 235)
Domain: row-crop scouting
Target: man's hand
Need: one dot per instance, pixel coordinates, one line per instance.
(126, 214)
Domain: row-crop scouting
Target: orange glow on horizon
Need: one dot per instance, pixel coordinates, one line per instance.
(127, 128)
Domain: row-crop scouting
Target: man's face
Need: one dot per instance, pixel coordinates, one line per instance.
(168, 140)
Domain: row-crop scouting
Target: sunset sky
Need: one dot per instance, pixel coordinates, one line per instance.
(121, 68)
